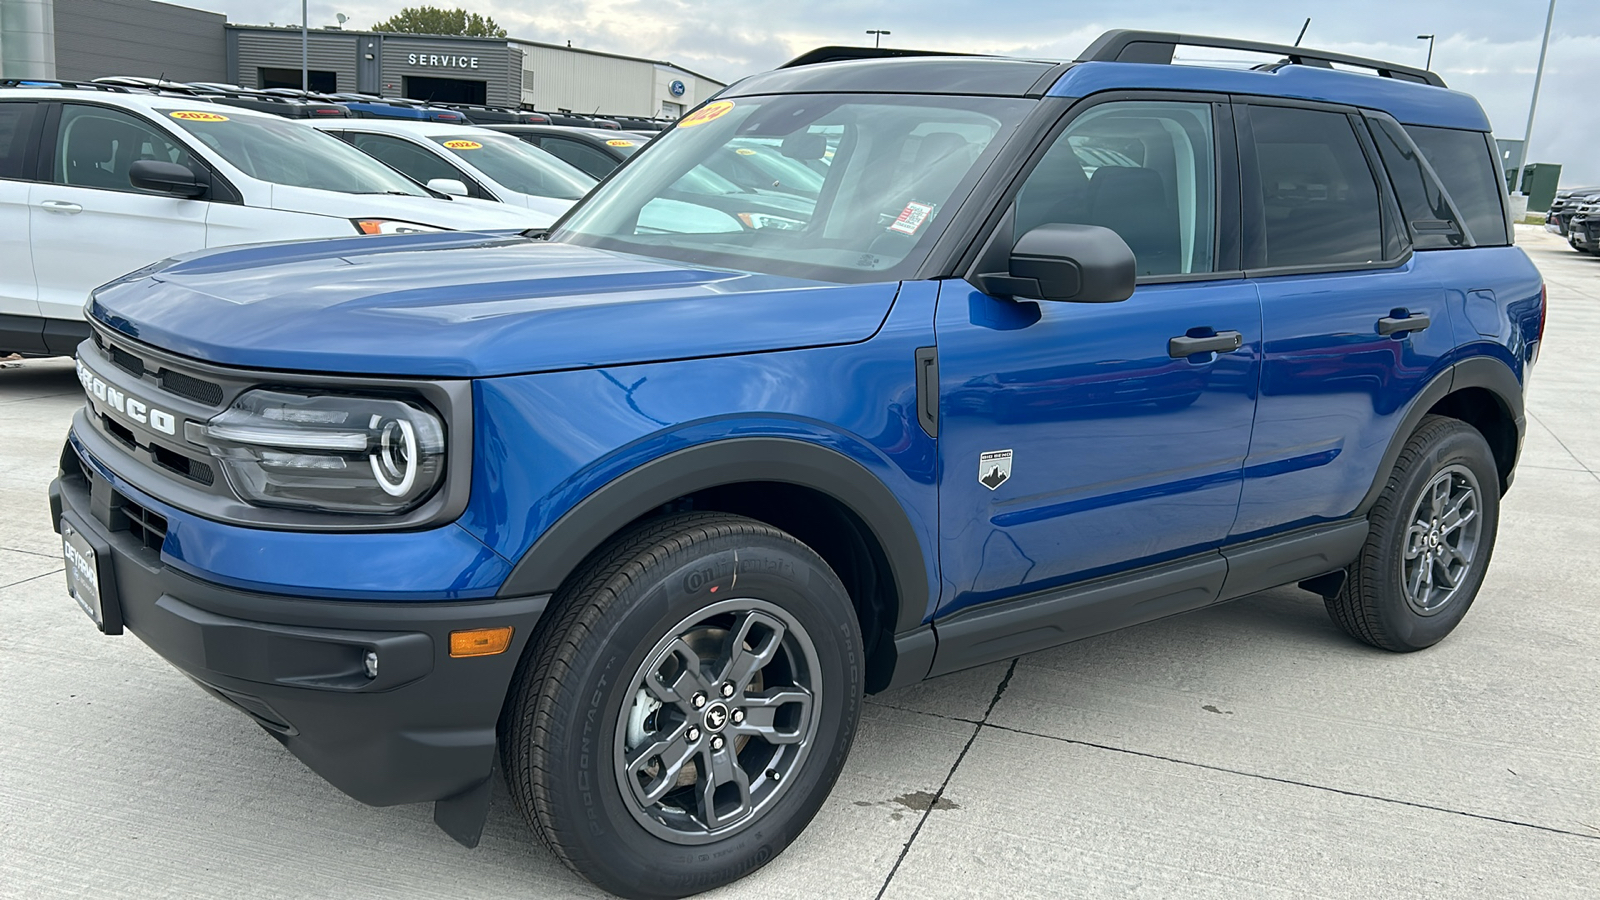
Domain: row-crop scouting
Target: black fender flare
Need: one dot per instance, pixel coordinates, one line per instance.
(1484, 372)
(587, 525)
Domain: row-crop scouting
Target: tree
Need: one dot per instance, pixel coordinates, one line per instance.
(433, 20)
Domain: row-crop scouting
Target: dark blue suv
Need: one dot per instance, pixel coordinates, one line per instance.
(638, 509)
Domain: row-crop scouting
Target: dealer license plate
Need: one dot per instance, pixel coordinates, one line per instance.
(83, 572)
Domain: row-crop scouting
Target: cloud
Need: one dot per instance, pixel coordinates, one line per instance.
(1488, 48)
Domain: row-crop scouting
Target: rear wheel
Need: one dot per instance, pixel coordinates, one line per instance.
(687, 706)
(1433, 530)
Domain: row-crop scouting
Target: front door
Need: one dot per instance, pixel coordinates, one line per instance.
(89, 223)
(1079, 439)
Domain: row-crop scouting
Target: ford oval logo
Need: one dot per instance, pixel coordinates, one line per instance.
(676, 88)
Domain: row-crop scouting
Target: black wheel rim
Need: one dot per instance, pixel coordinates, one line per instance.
(717, 721)
(1442, 540)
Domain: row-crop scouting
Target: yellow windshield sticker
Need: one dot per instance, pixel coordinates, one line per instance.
(462, 145)
(708, 113)
(192, 116)
(619, 143)
(744, 151)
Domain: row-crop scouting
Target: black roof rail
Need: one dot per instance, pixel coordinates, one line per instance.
(841, 54)
(1123, 45)
(56, 82)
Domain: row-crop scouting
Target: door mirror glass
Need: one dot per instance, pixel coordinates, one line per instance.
(452, 186)
(165, 178)
(1078, 263)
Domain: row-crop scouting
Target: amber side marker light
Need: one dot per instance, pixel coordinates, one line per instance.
(480, 641)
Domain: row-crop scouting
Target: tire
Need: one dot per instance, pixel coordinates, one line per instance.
(1415, 580)
(611, 673)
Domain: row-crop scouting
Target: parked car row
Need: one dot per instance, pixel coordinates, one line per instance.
(1575, 215)
(97, 182)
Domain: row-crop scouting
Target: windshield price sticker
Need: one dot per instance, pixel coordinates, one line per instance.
(708, 113)
(619, 143)
(744, 151)
(911, 218)
(463, 145)
(192, 116)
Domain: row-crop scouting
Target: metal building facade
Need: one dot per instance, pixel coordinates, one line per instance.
(135, 37)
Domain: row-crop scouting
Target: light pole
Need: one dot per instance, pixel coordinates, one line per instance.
(1429, 39)
(305, 51)
(877, 35)
(1538, 76)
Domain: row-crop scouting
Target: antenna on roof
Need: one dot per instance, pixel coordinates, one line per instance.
(1302, 34)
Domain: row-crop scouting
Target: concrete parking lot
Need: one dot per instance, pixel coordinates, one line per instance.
(1247, 750)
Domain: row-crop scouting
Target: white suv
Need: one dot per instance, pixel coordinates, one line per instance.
(98, 183)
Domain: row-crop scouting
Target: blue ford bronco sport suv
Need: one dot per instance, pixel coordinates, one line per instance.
(638, 509)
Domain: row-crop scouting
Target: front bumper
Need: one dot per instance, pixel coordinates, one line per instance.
(421, 729)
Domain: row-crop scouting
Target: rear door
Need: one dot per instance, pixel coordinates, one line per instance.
(89, 223)
(19, 292)
(1353, 327)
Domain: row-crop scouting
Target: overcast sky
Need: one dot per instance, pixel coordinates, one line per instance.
(1489, 48)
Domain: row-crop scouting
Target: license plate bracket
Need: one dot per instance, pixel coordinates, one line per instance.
(89, 576)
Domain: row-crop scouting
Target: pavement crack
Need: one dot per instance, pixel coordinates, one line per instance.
(937, 801)
(34, 578)
(1289, 781)
(1564, 446)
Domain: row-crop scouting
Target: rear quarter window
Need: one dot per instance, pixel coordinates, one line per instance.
(16, 128)
(1471, 173)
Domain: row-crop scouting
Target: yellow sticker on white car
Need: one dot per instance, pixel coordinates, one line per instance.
(462, 145)
(193, 116)
(708, 113)
(619, 143)
(744, 151)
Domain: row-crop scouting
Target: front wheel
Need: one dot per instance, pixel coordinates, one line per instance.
(687, 707)
(1433, 530)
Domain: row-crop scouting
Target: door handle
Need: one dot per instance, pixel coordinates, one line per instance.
(1221, 342)
(1404, 324)
(62, 206)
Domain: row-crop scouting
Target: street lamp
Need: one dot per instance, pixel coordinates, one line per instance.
(305, 51)
(877, 34)
(1429, 39)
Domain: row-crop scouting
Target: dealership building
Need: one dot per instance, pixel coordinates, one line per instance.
(86, 39)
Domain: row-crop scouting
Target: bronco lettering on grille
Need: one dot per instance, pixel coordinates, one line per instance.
(131, 407)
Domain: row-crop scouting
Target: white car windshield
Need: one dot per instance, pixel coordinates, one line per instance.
(291, 153)
(519, 166)
(849, 188)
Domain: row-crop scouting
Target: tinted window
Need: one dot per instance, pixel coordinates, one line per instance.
(95, 147)
(416, 162)
(1471, 174)
(16, 122)
(1319, 202)
(1145, 170)
(587, 159)
(1428, 216)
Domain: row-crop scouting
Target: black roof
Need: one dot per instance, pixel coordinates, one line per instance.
(863, 70)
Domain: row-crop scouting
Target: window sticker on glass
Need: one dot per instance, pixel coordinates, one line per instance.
(463, 145)
(708, 113)
(911, 218)
(619, 143)
(192, 116)
(744, 151)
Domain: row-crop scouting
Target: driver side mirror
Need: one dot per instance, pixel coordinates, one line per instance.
(452, 186)
(165, 178)
(1076, 263)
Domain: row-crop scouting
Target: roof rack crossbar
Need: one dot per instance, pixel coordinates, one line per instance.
(56, 82)
(1124, 45)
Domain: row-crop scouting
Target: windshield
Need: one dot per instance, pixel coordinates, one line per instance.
(848, 188)
(519, 166)
(293, 154)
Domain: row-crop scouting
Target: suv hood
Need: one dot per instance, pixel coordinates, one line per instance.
(458, 214)
(469, 305)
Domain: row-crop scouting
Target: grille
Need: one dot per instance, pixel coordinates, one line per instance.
(147, 527)
(127, 361)
(192, 469)
(191, 387)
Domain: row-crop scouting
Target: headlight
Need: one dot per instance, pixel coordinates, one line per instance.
(329, 452)
(392, 226)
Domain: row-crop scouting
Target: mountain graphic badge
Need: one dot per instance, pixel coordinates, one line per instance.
(994, 468)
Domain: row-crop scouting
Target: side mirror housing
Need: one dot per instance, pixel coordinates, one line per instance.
(1076, 263)
(453, 187)
(166, 178)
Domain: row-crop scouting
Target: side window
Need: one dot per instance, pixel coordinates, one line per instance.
(1432, 222)
(16, 129)
(95, 146)
(416, 163)
(1144, 169)
(1318, 199)
(586, 159)
(1471, 174)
